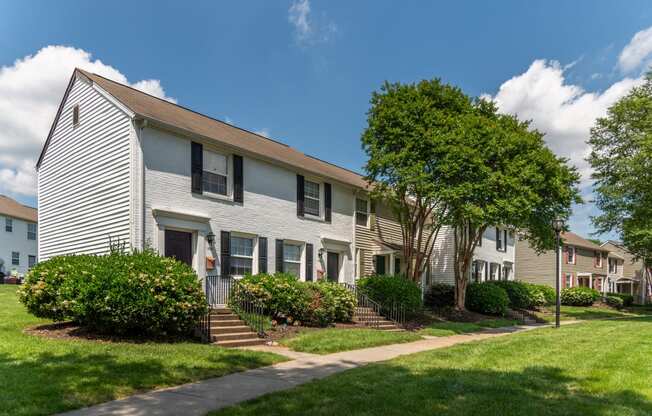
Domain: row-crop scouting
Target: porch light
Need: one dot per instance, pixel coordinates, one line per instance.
(210, 237)
(558, 224)
(320, 253)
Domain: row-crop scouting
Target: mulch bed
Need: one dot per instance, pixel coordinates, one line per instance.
(72, 331)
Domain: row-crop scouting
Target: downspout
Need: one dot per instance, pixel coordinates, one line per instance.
(355, 247)
(141, 123)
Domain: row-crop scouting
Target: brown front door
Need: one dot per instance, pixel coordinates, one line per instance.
(333, 266)
(178, 244)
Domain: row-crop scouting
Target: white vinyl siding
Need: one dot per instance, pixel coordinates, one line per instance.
(84, 178)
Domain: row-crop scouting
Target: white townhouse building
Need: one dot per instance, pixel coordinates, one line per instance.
(18, 236)
(494, 257)
(121, 164)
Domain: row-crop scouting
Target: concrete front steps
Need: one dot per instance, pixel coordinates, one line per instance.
(524, 317)
(367, 316)
(228, 330)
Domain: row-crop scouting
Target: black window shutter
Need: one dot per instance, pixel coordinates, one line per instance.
(498, 239)
(196, 166)
(238, 183)
(225, 253)
(262, 254)
(309, 263)
(279, 256)
(300, 197)
(327, 201)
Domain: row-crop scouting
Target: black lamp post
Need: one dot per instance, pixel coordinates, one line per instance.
(558, 226)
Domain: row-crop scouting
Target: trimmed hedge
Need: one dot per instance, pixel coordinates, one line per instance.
(579, 296)
(541, 295)
(388, 289)
(614, 301)
(289, 300)
(517, 292)
(440, 295)
(487, 298)
(628, 300)
(120, 293)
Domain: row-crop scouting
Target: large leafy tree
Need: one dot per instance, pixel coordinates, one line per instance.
(621, 157)
(443, 159)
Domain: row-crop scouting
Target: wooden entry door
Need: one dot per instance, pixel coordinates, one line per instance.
(178, 244)
(332, 266)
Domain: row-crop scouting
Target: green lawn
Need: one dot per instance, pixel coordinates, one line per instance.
(590, 312)
(593, 368)
(41, 376)
(445, 329)
(331, 340)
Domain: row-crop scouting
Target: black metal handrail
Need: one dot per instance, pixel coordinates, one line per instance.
(204, 327)
(248, 307)
(369, 310)
(218, 289)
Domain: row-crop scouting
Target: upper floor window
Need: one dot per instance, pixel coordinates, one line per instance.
(311, 198)
(242, 255)
(598, 259)
(215, 173)
(501, 239)
(613, 265)
(361, 212)
(75, 115)
(570, 255)
(9, 225)
(31, 231)
(31, 261)
(292, 258)
(15, 258)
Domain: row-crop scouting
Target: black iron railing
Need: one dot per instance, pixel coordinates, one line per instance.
(369, 311)
(248, 307)
(204, 327)
(218, 289)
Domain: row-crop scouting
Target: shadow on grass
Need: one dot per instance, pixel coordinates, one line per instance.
(393, 389)
(47, 383)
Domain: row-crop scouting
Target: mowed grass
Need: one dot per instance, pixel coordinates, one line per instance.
(592, 368)
(41, 376)
(590, 312)
(445, 329)
(330, 340)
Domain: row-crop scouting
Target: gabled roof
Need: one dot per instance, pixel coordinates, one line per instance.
(12, 208)
(166, 114)
(573, 239)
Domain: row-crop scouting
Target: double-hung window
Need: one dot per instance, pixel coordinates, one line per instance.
(598, 259)
(613, 266)
(570, 255)
(215, 173)
(569, 280)
(501, 240)
(15, 258)
(292, 258)
(361, 212)
(242, 255)
(31, 261)
(9, 225)
(31, 231)
(311, 198)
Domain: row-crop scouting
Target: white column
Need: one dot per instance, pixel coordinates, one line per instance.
(591, 281)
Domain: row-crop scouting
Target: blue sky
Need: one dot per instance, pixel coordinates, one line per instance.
(302, 71)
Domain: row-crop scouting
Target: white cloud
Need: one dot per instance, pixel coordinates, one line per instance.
(30, 92)
(637, 51)
(306, 30)
(564, 112)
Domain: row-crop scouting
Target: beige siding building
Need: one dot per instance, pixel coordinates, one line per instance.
(583, 263)
(628, 277)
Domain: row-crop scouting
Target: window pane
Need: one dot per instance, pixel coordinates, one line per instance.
(15, 258)
(241, 246)
(361, 205)
(9, 225)
(31, 231)
(291, 252)
(31, 261)
(214, 163)
(240, 266)
(292, 268)
(360, 218)
(311, 206)
(311, 189)
(214, 183)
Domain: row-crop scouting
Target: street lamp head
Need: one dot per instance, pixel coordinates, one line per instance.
(558, 224)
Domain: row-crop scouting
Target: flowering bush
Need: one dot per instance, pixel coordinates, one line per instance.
(579, 296)
(139, 292)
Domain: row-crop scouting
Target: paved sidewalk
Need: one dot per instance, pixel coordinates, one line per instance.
(204, 396)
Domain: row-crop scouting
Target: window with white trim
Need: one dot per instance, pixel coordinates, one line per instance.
(570, 256)
(507, 271)
(598, 259)
(494, 271)
(9, 225)
(242, 255)
(311, 197)
(215, 173)
(613, 265)
(292, 258)
(569, 280)
(501, 240)
(15, 258)
(361, 212)
(31, 231)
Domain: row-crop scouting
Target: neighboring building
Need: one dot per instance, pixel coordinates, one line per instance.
(583, 263)
(122, 164)
(493, 258)
(628, 276)
(18, 236)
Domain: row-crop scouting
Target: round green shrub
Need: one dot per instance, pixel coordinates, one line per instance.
(628, 300)
(342, 299)
(517, 292)
(392, 289)
(577, 296)
(487, 298)
(120, 293)
(614, 301)
(440, 295)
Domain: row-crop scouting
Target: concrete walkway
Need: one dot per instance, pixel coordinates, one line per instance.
(196, 399)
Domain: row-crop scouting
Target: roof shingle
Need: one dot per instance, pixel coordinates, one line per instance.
(12, 208)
